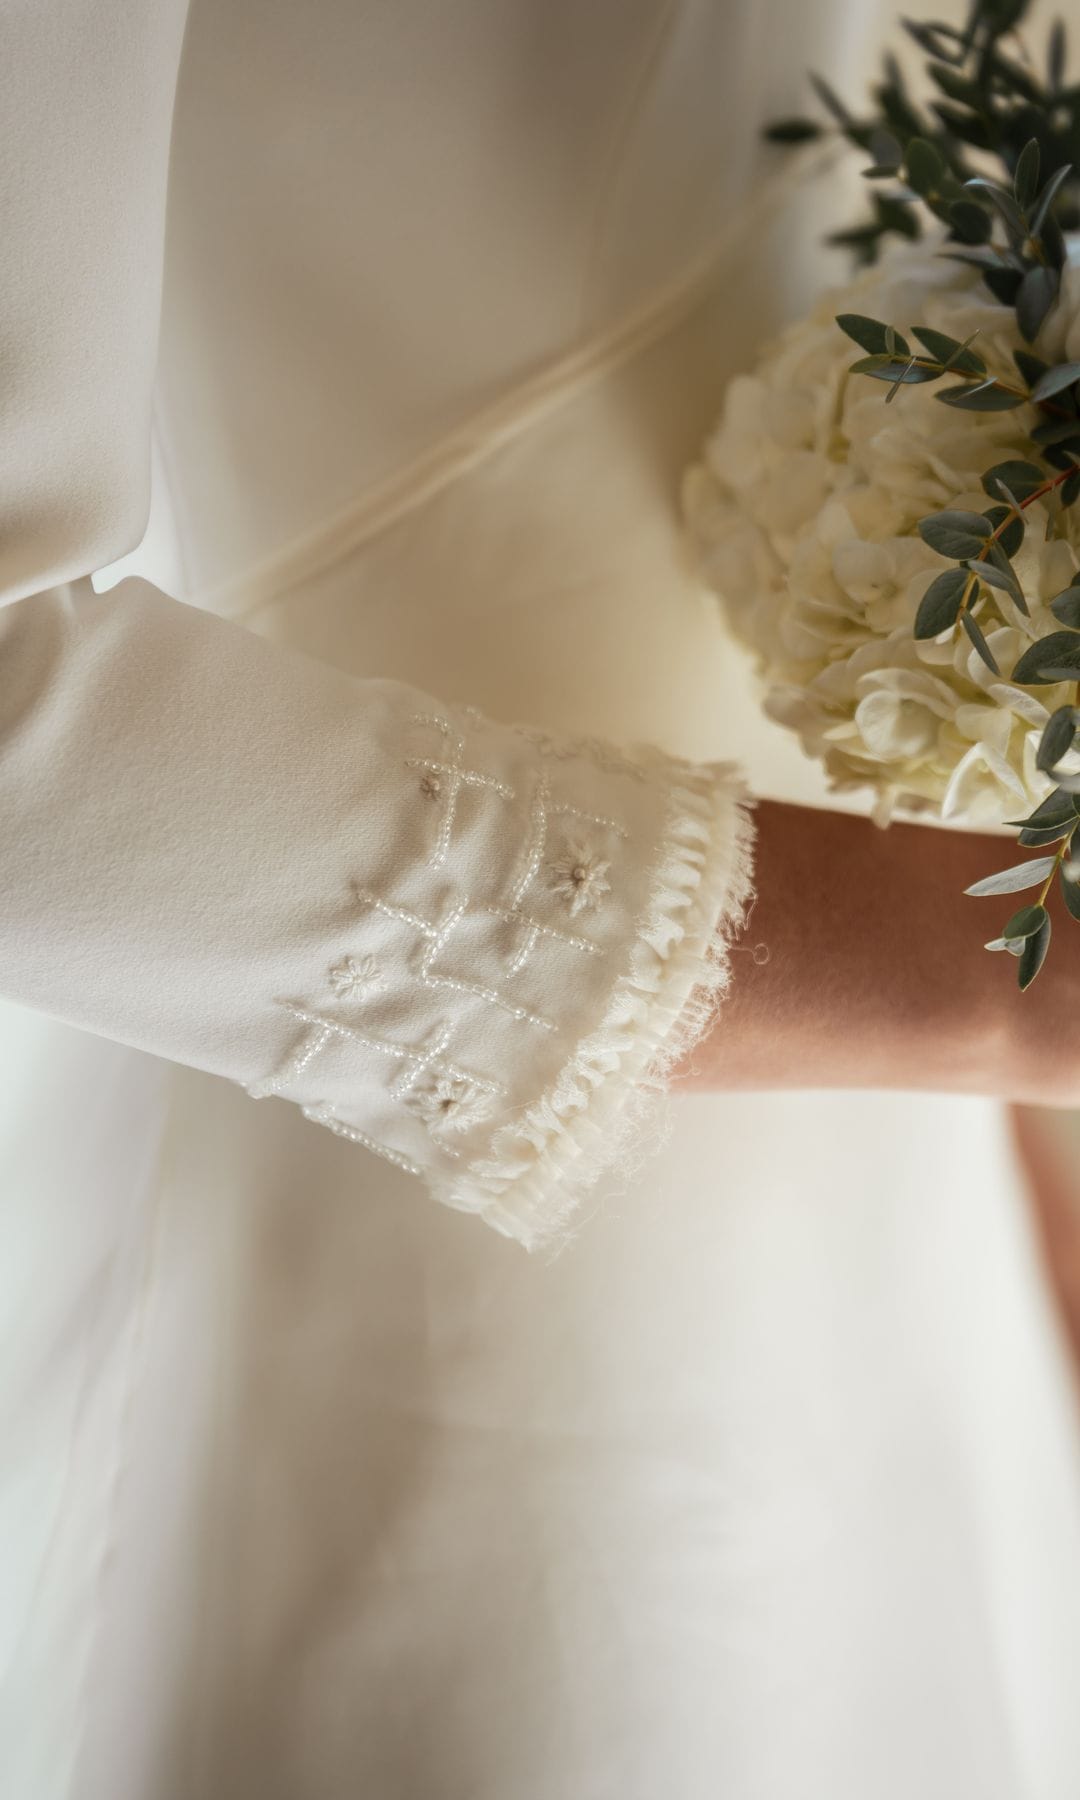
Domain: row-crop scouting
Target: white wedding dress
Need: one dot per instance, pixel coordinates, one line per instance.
(768, 1486)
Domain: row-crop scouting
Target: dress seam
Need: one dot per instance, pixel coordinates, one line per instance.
(384, 502)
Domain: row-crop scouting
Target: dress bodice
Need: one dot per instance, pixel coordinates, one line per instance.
(386, 220)
(450, 298)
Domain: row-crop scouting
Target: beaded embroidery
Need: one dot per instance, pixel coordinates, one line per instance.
(447, 776)
(445, 1098)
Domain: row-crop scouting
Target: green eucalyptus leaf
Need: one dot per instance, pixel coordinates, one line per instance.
(862, 240)
(1031, 837)
(792, 131)
(1035, 948)
(974, 630)
(1001, 578)
(957, 87)
(1015, 223)
(1059, 650)
(966, 127)
(1025, 923)
(937, 40)
(979, 256)
(925, 167)
(1047, 197)
(1056, 431)
(885, 147)
(1026, 174)
(1004, 576)
(1066, 607)
(1064, 456)
(1030, 367)
(831, 102)
(897, 110)
(1037, 294)
(1069, 491)
(1056, 809)
(1021, 478)
(940, 604)
(1010, 881)
(892, 368)
(984, 396)
(1057, 738)
(954, 533)
(1063, 375)
(1052, 242)
(1010, 498)
(970, 223)
(1001, 15)
(1008, 527)
(910, 372)
(949, 351)
(1004, 284)
(895, 213)
(871, 334)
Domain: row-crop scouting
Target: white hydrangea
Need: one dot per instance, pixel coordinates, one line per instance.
(804, 512)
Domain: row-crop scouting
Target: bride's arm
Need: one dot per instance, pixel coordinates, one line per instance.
(457, 944)
(876, 975)
(453, 943)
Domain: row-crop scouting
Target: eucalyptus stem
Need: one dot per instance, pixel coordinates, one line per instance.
(1059, 858)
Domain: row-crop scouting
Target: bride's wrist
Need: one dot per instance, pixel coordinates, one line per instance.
(863, 966)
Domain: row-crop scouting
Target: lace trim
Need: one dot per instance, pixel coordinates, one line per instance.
(530, 1180)
(606, 1102)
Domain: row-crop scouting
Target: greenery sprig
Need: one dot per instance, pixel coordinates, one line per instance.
(989, 101)
(994, 158)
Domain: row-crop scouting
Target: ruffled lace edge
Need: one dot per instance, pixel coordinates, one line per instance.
(605, 1106)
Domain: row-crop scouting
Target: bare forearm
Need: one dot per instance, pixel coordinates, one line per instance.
(876, 974)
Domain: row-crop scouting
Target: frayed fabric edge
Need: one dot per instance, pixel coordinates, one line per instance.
(604, 1112)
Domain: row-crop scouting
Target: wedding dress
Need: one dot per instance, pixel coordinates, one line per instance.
(329, 879)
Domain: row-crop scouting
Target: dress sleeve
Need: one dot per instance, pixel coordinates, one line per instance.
(466, 947)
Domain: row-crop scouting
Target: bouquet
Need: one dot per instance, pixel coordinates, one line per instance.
(895, 533)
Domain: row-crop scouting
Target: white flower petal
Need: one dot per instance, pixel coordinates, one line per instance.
(808, 528)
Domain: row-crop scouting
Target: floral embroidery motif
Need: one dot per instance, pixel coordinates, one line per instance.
(543, 811)
(448, 1103)
(579, 877)
(356, 975)
(430, 786)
